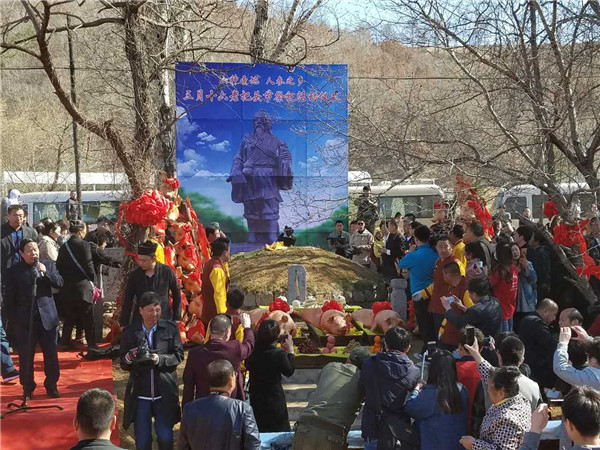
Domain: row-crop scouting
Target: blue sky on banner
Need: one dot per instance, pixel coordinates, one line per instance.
(216, 103)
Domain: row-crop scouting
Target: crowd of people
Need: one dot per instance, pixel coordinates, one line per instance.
(501, 285)
(485, 305)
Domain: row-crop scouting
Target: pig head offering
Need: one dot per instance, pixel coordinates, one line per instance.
(331, 321)
(381, 318)
(286, 323)
(384, 320)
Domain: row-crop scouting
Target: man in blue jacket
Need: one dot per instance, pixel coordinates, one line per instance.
(218, 421)
(385, 381)
(421, 264)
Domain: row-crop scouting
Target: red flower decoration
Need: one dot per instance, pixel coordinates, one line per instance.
(279, 305)
(195, 276)
(439, 205)
(172, 183)
(550, 209)
(190, 254)
(569, 235)
(482, 215)
(381, 306)
(148, 210)
(160, 228)
(332, 304)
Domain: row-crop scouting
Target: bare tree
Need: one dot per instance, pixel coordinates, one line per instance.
(281, 31)
(519, 101)
(150, 36)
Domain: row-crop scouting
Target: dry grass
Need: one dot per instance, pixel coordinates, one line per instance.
(265, 272)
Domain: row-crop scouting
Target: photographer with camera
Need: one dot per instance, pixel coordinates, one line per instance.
(439, 405)
(339, 241)
(485, 314)
(151, 350)
(219, 346)
(386, 379)
(266, 365)
(287, 237)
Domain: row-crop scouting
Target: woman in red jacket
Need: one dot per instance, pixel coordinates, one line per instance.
(505, 282)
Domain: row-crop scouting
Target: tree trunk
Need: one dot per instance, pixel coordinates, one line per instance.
(257, 43)
(166, 115)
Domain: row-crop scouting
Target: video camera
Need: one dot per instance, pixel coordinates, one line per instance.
(338, 240)
(143, 356)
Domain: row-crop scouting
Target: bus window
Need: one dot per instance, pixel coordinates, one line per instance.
(55, 211)
(91, 212)
(420, 206)
(110, 209)
(515, 206)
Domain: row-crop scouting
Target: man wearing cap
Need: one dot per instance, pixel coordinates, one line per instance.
(333, 405)
(154, 277)
(218, 232)
(215, 281)
(11, 199)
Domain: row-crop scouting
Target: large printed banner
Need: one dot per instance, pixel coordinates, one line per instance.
(262, 147)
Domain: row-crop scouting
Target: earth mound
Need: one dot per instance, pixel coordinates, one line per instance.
(266, 272)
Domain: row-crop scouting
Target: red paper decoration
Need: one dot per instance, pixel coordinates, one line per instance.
(148, 210)
(381, 306)
(279, 305)
(550, 209)
(332, 304)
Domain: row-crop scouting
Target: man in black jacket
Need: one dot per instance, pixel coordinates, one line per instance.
(95, 420)
(485, 314)
(152, 387)
(218, 421)
(76, 266)
(385, 380)
(154, 277)
(393, 251)
(11, 235)
(474, 233)
(35, 320)
(540, 345)
(101, 233)
(539, 255)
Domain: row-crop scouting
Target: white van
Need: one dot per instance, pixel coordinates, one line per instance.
(54, 204)
(403, 198)
(517, 198)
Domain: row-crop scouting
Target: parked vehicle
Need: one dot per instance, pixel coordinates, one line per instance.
(517, 198)
(54, 204)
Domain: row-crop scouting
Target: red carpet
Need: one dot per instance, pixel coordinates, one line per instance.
(51, 428)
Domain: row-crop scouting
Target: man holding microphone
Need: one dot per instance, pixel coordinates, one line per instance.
(31, 307)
